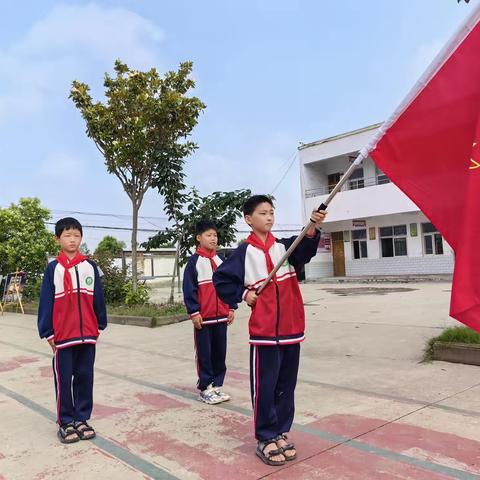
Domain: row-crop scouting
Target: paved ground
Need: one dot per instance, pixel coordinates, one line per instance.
(366, 407)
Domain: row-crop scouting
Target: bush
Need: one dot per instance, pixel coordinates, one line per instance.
(452, 335)
(31, 292)
(139, 297)
(114, 279)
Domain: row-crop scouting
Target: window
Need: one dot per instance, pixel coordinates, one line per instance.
(393, 241)
(356, 179)
(382, 178)
(359, 239)
(432, 240)
(333, 179)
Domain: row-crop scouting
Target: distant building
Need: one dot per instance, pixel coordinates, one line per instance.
(372, 228)
(156, 263)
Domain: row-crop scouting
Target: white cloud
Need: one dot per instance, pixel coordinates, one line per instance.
(71, 42)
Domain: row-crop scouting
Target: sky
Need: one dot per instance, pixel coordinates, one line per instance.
(273, 73)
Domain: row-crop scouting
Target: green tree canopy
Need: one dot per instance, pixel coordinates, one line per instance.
(141, 131)
(111, 245)
(25, 241)
(224, 208)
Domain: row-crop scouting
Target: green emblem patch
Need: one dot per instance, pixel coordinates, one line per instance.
(89, 280)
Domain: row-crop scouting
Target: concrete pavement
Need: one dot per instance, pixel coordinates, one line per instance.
(366, 407)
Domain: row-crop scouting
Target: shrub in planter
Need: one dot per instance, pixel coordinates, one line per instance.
(139, 297)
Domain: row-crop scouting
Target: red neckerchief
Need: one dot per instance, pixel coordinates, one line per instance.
(68, 263)
(255, 241)
(208, 254)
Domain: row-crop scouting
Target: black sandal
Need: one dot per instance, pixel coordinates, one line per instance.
(286, 448)
(82, 431)
(67, 430)
(266, 457)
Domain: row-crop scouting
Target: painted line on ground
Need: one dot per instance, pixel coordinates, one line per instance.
(301, 380)
(108, 446)
(337, 439)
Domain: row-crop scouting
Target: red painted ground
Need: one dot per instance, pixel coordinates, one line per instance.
(442, 448)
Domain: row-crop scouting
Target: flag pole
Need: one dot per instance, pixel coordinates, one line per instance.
(361, 156)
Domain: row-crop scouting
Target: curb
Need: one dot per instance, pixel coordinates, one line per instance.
(467, 353)
(150, 322)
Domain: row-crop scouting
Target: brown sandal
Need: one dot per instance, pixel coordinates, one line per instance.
(68, 430)
(286, 448)
(85, 433)
(266, 457)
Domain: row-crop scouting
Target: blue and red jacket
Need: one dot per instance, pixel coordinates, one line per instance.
(278, 317)
(76, 317)
(199, 293)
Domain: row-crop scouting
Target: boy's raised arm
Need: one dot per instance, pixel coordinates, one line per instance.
(305, 250)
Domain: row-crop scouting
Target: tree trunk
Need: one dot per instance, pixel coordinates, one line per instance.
(135, 208)
(175, 267)
(179, 283)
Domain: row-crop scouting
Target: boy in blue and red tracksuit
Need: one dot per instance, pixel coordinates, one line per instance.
(70, 315)
(210, 316)
(276, 325)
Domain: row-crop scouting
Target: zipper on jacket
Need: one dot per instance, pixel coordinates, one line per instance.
(278, 312)
(79, 302)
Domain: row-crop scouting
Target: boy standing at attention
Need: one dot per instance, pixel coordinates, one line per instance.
(276, 325)
(70, 315)
(210, 316)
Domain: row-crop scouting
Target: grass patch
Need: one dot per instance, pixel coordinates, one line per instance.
(451, 335)
(16, 309)
(148, 310)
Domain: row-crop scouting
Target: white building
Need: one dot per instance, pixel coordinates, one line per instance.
(157, 263)
(372, 228)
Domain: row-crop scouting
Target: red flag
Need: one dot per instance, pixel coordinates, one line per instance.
(430, 148)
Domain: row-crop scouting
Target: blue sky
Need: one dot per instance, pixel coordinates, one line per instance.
(272, 73)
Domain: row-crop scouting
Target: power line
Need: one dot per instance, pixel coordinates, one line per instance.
(285, 174)
(105, 227)
(116, 215)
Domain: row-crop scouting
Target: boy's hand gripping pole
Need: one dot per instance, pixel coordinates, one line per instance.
(361, 156)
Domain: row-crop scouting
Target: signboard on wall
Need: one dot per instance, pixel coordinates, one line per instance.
(325, 243)
(359, 223)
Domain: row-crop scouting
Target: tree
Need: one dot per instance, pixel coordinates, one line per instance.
(111, 245)
(25, 241)
(222, 207)
(141, 131)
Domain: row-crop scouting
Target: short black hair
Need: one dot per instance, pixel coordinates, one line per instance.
(253, 202)
(203, 225)
(67, 223)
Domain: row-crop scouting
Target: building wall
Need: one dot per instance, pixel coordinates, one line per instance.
(163, 263)
(416, 261)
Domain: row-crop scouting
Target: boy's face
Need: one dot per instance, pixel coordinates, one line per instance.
(208, 239)
(70, 240)
(262, 218)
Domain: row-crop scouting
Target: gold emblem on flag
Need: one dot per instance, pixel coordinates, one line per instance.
(474, 164)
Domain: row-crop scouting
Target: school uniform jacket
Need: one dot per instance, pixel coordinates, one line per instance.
(74, 318)
(199, 293)
(278, 317)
